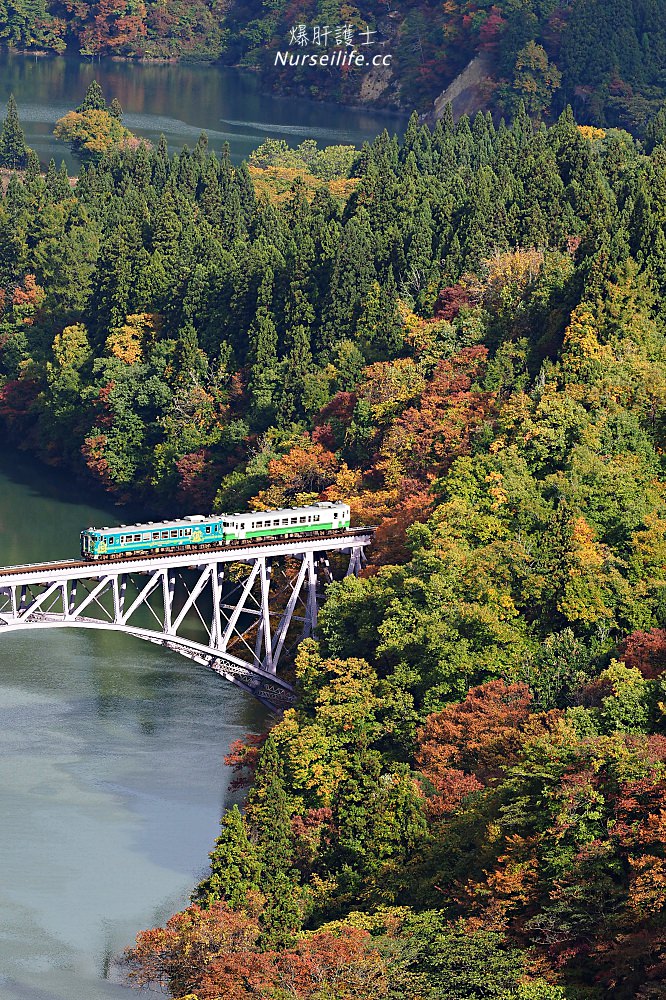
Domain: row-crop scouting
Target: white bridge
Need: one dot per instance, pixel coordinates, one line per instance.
(237, 609)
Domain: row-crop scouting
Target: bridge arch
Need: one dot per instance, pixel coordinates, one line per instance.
(237, 611)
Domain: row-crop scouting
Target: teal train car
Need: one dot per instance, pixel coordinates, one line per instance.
(200, 530)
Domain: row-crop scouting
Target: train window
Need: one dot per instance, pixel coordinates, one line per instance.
(208, 529)
(285, 520)
(309, 519)
(294, 520)
(137, 538)
(174, 534)
(335, 515)
(156, 534)
(165, 534)
(276, 524)
(316, 517)
(303, 520)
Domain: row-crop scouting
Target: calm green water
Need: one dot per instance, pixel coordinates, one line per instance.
(111, 773)
(178, 101)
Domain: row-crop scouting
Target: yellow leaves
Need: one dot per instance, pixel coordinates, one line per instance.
(508, 275)
(585, 357)
(275, 184)
(71, 348)
(127, 342)
(93, 131)
(621, 677)
(389, 385)
(588, 553)
(495, 490)
(591, 133)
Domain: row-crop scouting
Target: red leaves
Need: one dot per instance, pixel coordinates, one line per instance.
(198, 479)
(243, 757)
(646, 651)
(93, 450)
(450, 301)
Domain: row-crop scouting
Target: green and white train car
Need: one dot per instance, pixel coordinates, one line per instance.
(197, 530)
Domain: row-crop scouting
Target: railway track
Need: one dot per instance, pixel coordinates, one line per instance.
(118, 561)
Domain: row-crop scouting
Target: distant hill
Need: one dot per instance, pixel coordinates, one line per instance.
(605, 57)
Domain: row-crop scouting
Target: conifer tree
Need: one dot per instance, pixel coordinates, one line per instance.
(13, 147)
(234, 865)
(94, 99)
(269, 816)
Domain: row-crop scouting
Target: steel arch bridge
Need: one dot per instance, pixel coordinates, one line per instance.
(235, 609)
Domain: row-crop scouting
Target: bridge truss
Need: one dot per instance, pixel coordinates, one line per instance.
(238, 610)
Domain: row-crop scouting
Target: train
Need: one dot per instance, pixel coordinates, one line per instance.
(196, 531)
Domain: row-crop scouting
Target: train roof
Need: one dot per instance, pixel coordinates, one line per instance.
(190, 520)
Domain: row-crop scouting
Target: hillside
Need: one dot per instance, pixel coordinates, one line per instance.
(461, 335)
(607, 59)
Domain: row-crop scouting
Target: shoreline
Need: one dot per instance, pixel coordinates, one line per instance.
(297, 92)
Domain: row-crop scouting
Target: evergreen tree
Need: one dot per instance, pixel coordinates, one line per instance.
(270, 820)
(234, 866)
(115, 109)
(94, 99)
(13, 147)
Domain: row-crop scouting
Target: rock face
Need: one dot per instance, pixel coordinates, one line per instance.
(469, 92)
(375, 83)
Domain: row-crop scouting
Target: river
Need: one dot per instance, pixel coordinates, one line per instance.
(178, 101)
(111, 773)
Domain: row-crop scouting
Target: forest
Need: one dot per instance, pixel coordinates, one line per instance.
(606, 58)
(462, 335)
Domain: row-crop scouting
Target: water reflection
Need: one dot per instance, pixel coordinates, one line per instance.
(179, 101)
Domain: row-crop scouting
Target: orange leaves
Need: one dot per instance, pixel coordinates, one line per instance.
(27, 300)
(429, 437)
(481, 735)
(647, 885)
(305, 468)
(215, 954)
(210, 952)
(390, 542)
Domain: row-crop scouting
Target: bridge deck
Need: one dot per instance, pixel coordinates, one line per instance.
(235, 552)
